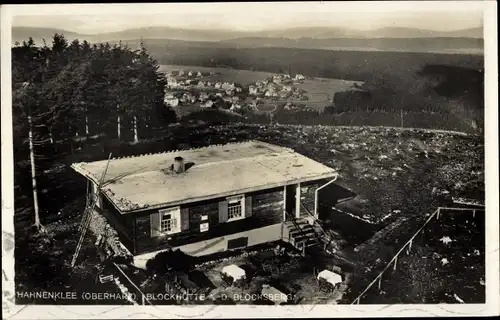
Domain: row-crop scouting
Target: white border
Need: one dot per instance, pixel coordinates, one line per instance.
(73, 312)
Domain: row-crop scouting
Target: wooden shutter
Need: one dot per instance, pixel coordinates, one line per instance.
(154, 220)
(184, 219)
(222, 211)
(248, 206)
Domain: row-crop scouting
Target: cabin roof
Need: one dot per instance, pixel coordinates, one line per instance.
(146, 182)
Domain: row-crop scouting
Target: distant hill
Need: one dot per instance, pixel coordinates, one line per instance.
(21, 34)
(396, 32)
(449, 44)
(384, 39)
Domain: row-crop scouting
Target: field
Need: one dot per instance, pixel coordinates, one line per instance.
(243, 77)
(391, 171)
(320, 91)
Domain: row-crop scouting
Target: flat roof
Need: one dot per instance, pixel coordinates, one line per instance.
(146, 182)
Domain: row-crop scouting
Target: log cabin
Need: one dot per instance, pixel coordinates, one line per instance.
(208, 200)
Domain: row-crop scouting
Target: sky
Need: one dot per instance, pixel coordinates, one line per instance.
(100, 18)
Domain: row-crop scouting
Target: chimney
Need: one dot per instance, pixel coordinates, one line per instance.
(178, 164)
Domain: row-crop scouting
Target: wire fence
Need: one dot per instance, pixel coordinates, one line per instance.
(408, 245)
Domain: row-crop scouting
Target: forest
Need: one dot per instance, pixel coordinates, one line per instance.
(65, 93)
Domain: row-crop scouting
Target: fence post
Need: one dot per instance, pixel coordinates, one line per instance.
(395, 262)
(143, 300)
(380, 282)
(409, 247)
(474, 213)
(439, 212)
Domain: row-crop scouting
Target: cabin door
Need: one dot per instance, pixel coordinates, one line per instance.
(291, 201)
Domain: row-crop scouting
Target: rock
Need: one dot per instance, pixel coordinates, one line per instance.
(445, 240)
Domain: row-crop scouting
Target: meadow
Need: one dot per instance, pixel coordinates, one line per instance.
(320, 91)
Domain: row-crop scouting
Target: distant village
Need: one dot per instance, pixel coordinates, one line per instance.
(191, 88)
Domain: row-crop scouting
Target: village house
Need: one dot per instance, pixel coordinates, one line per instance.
(253, 104)
(188, 97)
(190, 74)
(207, 104)
(181, 72)
(201, 84)
(253, 90)
(172, 82)
(229, 92)
(235, 106)
(218, 85)
(211, 199)
(203, 96)
(238, 89)
(209, 84)
(227, 86)
(198, 74)
(171, 101)
(298, 76)
(289, 106)
(271, 92)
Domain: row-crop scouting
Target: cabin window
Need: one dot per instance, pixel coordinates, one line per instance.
(170, 220)
(167, 222)
(235, 208)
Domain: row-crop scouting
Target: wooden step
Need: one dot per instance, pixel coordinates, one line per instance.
(300, 227)
(303, 230)
(303, 235)
(307, 243)
(301, 222)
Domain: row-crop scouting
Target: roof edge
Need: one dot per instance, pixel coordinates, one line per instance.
(328, 175)
(78, 168)
(194, 149)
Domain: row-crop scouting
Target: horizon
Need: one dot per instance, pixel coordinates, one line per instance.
(245, 31)
(250, 17)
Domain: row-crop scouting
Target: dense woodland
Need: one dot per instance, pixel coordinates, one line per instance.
(74, 91)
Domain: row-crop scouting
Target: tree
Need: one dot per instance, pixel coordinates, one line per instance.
(66, 87)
